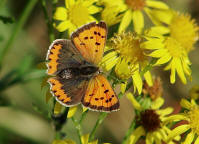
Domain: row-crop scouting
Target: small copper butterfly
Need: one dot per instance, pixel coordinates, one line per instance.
(77, 78)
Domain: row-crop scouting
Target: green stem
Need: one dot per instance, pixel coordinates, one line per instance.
(148, 67)
(83, 116)
(17, 28)
(99, 121)
(48, 21)
(128, 133)
(78, 128)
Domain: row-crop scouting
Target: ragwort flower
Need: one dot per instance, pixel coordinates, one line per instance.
(191, 128)
(132, 11)
(76, 13)
(150, 122)
(128, 58)
(172, 44)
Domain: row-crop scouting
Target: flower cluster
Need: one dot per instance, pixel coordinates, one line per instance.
(132, 52)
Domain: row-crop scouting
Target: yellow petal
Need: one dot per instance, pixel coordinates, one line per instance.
(163, 59)
(57, 108)
(153, 44)
(156, 4)
(166, 111)
(125, 21)
(111, 15)
(122, 69)
(185, 104)
(138, 21)
(71, 111)
(164, 16)
(197, 140)
(84, 139)
(189, 138)
(134, 102)
(148, 78)
(173, 72)
(157, 103)
(158, 53)
(174, 118)
(178, 131)
(93, 142)
(69, 3)
(150, 15)
(123, 87)
(93, 9)
(60, 14)
(179, 69)
(63, 26)
(137, 133)
(88, 3)
(149, 138)
(67, 141)
(160, 30)
(109, 60)
(137, 81)
(84, 109)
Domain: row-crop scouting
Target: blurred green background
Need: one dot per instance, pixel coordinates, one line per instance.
(24, 114)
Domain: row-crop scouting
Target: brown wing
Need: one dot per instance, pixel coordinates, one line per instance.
(68, 92)
(62, 54)
(90, 40)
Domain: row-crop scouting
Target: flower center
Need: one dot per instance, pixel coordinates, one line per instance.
(78, 14)
(194, 117)
(128, 46)
(184, 30)
(174, 47)
(150, 120)
(135, 4)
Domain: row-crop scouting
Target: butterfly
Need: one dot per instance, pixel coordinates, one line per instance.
(74, 67)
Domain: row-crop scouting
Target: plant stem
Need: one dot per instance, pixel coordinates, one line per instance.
(48, 21)
(17, 28)
(99, 121)
(148, 67)
(128, 133)
(83, 116)
(78, 128)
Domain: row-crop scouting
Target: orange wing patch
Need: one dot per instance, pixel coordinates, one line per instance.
(100, 95)
(58, 92)
(90, 41)
(53, 57)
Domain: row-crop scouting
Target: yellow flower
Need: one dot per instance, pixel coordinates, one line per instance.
(150, 122)
(191, 115)
(173, 49)
(132, 11)
(76, 13)
(128, 58)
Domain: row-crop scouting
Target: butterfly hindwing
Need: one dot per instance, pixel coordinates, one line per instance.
(62, 54)
(90, 41)
(68, 92)
(100, 96)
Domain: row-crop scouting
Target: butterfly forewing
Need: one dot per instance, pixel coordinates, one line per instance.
(62, 54)
(90, 41)
(100, 96)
